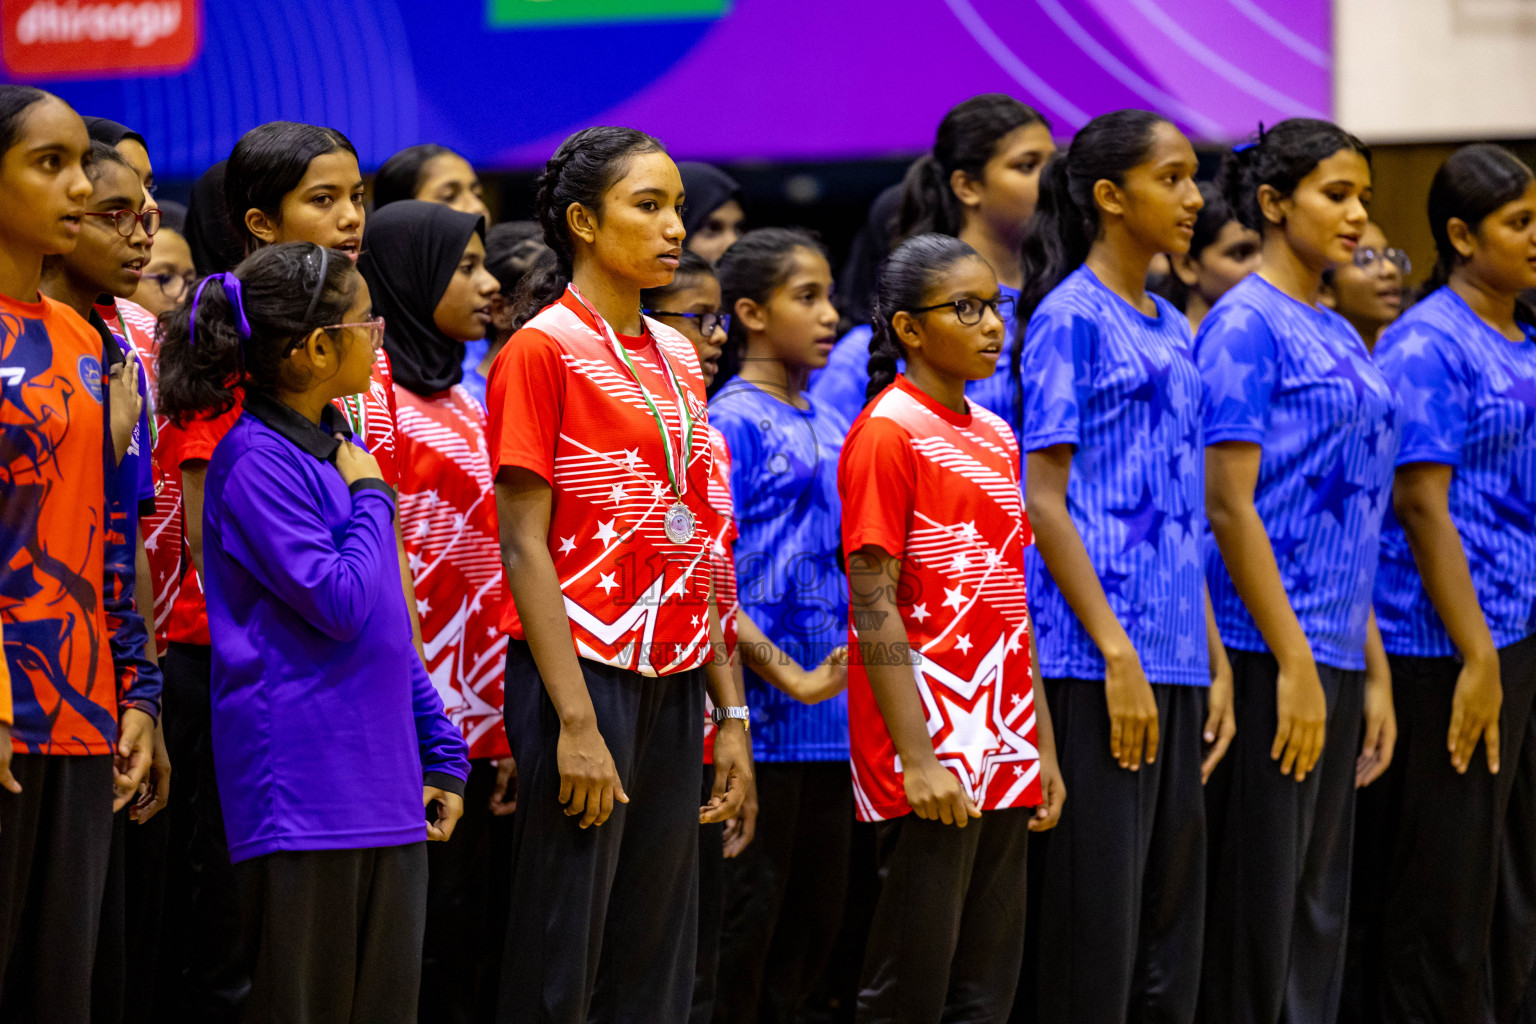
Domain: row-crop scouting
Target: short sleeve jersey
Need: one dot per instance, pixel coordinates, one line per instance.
(1298, 382)
(162, 527)
(1469, 402)
(1123, 389)
(722, 561)
(564, 405)
(53, 527)
(843, 382)
(939, 490)
(447, 510)
(789, 515)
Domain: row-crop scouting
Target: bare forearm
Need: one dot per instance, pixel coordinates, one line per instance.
(722, 675)
(763, 656)
(1250, 561)
(192, 476)
(541, 609)
(1442, 564)
(1061, 548)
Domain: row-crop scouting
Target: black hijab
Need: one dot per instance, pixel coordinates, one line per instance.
(411, 250)
(706, 188)
(216, 245)
(102, 130)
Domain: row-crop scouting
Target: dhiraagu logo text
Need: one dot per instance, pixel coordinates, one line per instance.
(550, 13)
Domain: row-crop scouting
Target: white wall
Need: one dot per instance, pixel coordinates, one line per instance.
(1425, 70)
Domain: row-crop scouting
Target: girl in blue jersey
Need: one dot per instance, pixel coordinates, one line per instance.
(1223, 251)
(1127, 648)
(1455, 598)
(978, 183)
(1300, 431)
(784, 894)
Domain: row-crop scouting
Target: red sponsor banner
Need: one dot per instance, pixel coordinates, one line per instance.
(43, 39)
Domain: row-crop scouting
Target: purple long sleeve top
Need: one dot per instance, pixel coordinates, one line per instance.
(326, 726)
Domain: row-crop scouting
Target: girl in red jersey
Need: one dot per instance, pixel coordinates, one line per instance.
(86, 699)
(605, 533)
(425, 267)
(945, 723)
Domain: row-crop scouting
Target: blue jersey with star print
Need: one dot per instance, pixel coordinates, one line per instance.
(1298, 381)
(1468, 399)
(1122, 388)
(788, 577)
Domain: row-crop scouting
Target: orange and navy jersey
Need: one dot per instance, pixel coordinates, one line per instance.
(74, 644)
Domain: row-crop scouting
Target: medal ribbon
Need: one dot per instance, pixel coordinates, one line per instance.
(679, 480)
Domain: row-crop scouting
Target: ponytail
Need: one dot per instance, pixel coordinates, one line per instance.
(583, 169)
(1066, 220)
(967, 139)
(240, 327)
(1470, 186)
(1279, 157)
(906, 277)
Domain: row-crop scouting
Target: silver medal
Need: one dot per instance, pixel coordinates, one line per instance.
(679, 524)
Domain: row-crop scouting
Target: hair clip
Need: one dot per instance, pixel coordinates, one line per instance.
(1243, 147)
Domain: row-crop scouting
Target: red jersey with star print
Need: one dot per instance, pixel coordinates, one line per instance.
(940, 491)
(448, 519)
(162, 528)
(563, 405)
(722, 559)
(371, 416)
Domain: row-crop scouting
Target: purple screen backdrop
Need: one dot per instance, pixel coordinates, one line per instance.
(745, 80)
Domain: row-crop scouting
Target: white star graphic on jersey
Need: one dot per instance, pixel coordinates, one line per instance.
(607, 583)
(423, 608)
(631, 458)
(415, 561)
(964, 643)
(606, 533)
(618, 493)
(969, 529)
(993, 557)
(920, 613)
(953, 598)
(969, 732)
(656, 488)
(695, 620)
(960, 564)
(1014, 643)
(567, 545)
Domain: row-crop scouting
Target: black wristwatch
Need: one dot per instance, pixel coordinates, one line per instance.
(722, 715)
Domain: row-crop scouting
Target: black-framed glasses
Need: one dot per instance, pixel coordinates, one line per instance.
(1366, 258)
(970, 311)
(707, 324)
(172, 286)
(124, 220)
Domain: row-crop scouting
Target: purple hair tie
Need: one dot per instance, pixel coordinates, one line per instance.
(231, 285)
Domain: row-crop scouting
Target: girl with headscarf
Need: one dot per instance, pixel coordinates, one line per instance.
(425, 267)
(712, 213)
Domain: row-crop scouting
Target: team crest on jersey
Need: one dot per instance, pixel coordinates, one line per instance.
(89, 369)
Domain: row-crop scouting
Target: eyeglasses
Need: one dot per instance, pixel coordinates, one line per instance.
(970, 311)
(708, 323)
(124, 220)
(172, 286)
(374, 327)
(1366, 258)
